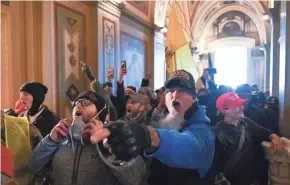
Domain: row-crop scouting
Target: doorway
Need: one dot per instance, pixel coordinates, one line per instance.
(232, 66)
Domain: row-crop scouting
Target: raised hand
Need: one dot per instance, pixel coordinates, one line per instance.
(162, 99)
(95, 131)
(83, 64)
(148, 76)
(59, 132)
(110, 73)
(122, 73)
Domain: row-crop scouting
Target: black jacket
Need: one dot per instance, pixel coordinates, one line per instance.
(228, 137)
(45, 121)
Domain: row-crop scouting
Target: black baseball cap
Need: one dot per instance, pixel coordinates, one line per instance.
(181, 79)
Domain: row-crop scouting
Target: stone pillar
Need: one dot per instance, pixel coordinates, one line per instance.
(267, 66)
(274, 51)
(284, 69)
(159, 58)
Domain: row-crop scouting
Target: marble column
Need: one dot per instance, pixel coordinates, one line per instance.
(159, 58)
(284, 69)
(274, 51)
(267, 66)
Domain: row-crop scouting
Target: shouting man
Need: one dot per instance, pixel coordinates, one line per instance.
(71, 151)
(183, 152)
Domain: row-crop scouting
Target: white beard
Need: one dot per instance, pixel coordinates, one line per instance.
(172, 122)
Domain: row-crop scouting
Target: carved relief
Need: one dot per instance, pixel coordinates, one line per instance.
(160, 13)
(109, 39)
(279, 164)
(70, 36)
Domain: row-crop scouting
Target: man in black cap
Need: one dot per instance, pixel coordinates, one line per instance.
(183, 149)
(32, 95)
(251, 111)
(72, 152)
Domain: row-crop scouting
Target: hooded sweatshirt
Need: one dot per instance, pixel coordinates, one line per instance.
(83, 165)
(191, 148)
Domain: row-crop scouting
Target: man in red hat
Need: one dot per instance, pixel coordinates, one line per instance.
(238, 137)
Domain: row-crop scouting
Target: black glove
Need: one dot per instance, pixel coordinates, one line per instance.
(128, 140)
(87, 70)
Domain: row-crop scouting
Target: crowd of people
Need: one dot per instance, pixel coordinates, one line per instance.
(184, 133)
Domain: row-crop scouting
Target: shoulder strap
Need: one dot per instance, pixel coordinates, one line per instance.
(234, 159)
(242, 138)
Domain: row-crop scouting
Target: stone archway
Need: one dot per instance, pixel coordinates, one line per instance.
(202, 22)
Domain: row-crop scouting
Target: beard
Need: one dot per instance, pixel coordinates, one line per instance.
(80, 115)
(134, 115)
(172, 122)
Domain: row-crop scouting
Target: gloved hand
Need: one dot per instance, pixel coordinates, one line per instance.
(128, 140)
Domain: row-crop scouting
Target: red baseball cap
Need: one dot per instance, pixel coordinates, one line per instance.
(229, 100)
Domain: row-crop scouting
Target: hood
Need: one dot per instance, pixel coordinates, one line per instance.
(199, 117)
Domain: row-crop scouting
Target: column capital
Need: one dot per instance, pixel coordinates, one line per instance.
(113, 7)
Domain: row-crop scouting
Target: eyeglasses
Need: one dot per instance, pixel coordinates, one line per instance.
(83, 102)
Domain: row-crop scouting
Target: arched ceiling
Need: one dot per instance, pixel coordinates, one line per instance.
(202, 14)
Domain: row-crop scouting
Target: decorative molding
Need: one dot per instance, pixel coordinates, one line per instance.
(201, 33)
(253, 9)
(231, 41)
(65, 76)
(114, 40)
(90, 3)
(5, 3)
(111, 7)
(137, 6)
(132, 18)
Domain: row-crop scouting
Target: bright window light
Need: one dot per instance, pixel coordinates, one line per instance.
(231, 65)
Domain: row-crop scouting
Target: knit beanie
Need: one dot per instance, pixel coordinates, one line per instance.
(37, 91)
(97, 100)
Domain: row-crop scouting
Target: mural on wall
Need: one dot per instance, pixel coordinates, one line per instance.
(69, 29)
(143, 6)
(133, 51)
(109, 43)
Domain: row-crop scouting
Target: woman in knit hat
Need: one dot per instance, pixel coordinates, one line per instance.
(32, 94)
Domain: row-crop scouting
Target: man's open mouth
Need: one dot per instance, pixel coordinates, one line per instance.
(128, 111)
(78, 113)
(177, 104)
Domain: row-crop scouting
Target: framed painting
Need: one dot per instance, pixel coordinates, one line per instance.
(69, 45)
(133, 51)
(143, 6)
(109, 44)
